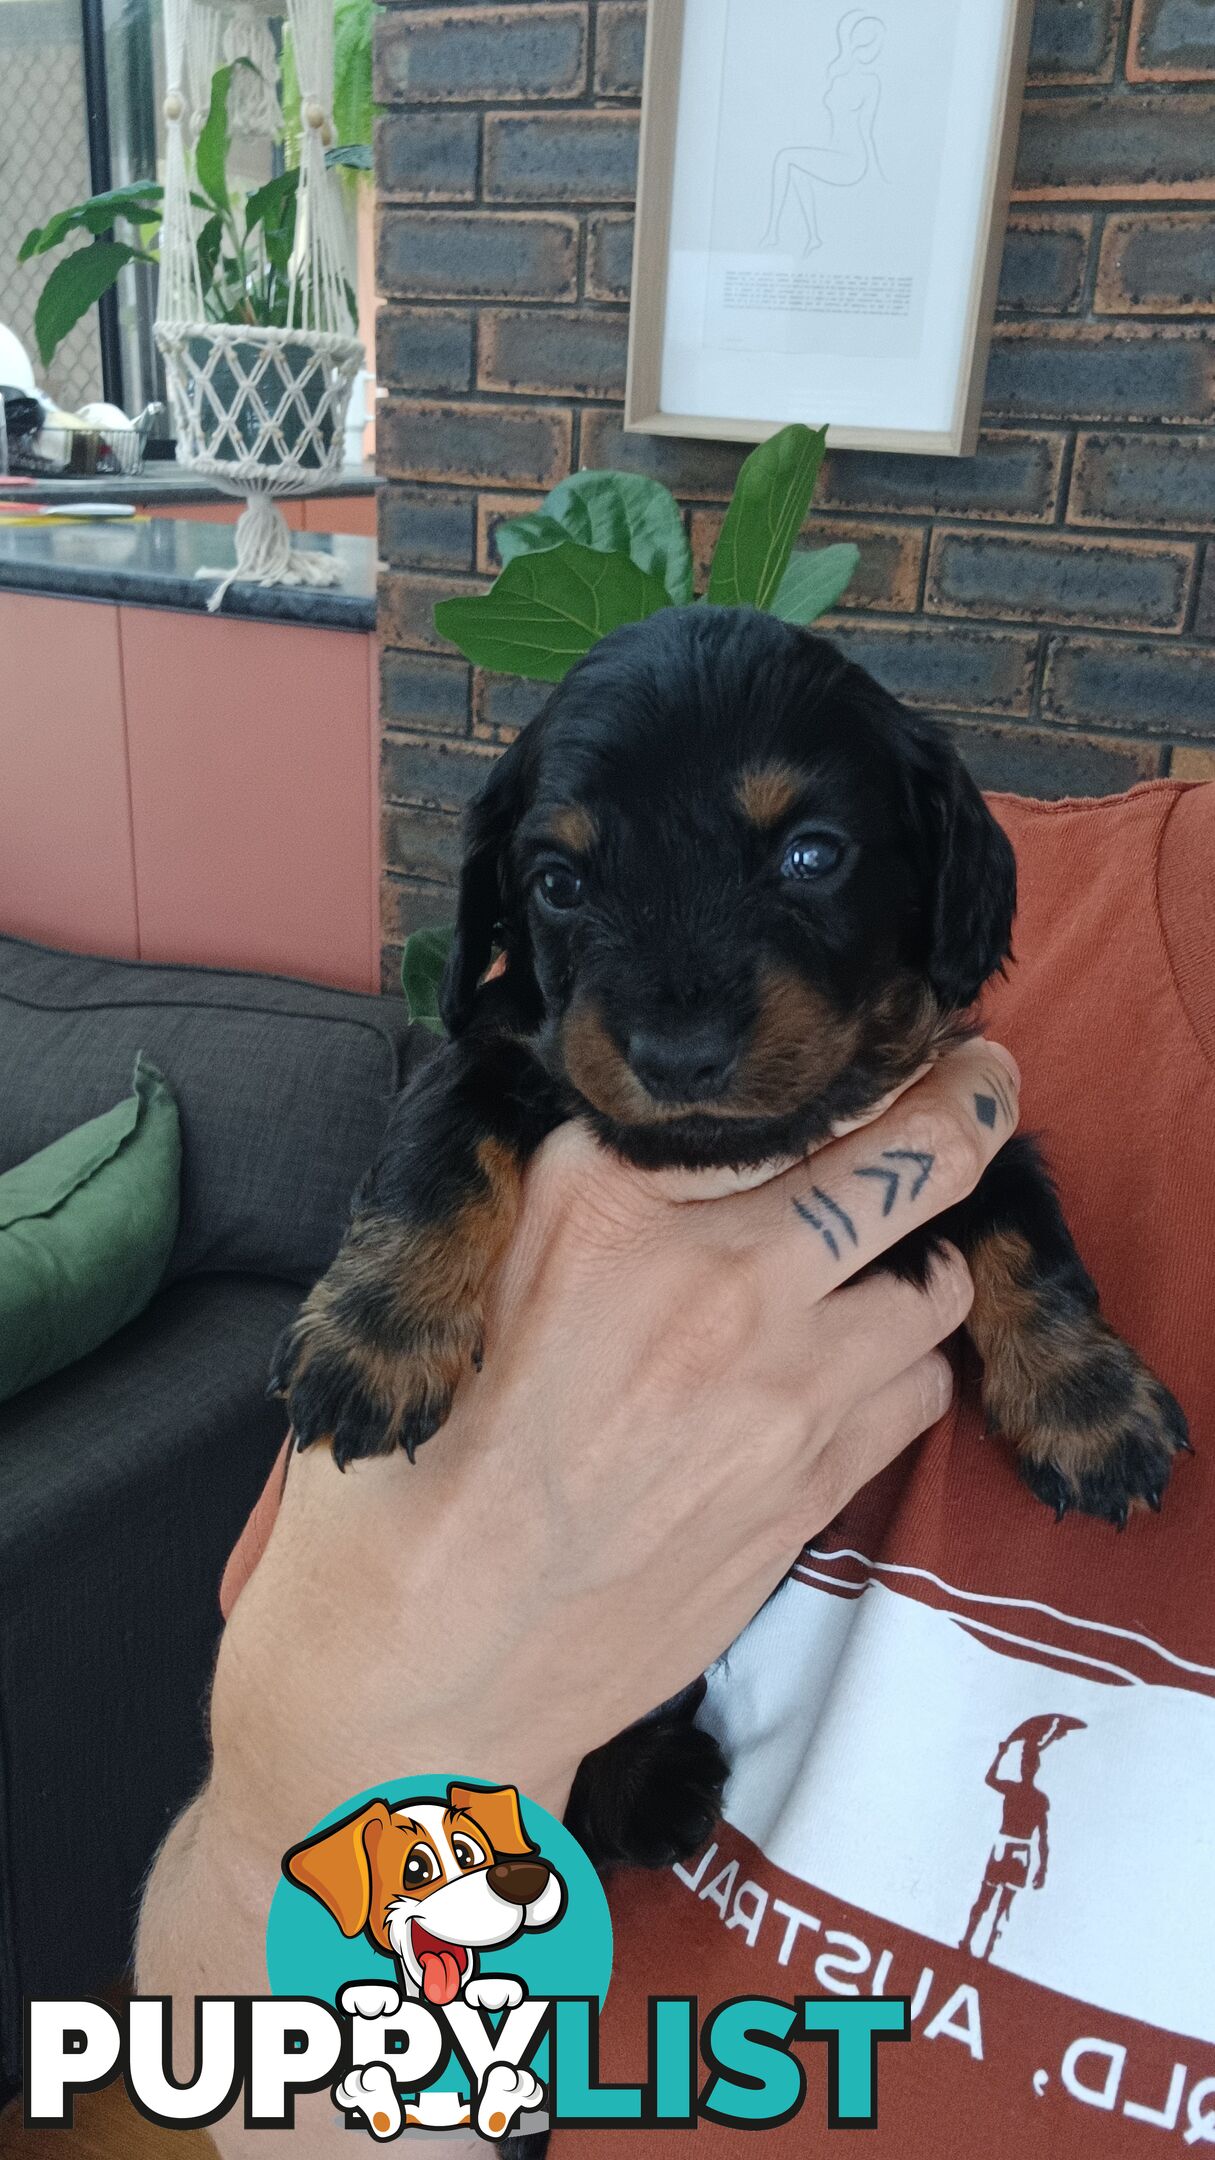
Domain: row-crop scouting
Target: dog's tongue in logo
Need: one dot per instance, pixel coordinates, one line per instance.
(442, 1966)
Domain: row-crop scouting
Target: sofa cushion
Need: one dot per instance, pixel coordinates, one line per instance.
(86, 1229)
(283, 1089)
(124, 1484)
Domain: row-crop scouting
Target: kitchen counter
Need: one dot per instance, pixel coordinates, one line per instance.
(164, 483)
(153, 563)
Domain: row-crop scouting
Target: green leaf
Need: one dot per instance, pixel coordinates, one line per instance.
(139, 204)
(546, 611)
(353, 31)
(771, 498)
(533, 534)
(273, 207)
(422, 965)
(627, 514)
(355, 156)
(814, 581)
(211, 149)
(207, 248)
(72, 288)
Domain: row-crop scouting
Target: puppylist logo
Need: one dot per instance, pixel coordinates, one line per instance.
(439, 1952)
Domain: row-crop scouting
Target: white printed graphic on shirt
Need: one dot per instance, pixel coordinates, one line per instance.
(992, 1775)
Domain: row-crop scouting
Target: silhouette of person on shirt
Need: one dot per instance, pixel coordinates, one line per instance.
(1019, 1858)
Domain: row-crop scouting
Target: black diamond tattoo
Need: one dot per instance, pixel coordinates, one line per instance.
(985, 1108)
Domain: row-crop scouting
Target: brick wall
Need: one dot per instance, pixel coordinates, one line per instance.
(1053, 598)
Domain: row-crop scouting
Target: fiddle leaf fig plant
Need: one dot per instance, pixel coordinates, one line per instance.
(607, 548)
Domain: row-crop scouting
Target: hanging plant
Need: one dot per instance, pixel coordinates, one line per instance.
(243, 245)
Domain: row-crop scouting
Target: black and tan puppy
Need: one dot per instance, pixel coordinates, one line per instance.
(742, 893)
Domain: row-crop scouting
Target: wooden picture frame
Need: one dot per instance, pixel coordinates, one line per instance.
(873, 399)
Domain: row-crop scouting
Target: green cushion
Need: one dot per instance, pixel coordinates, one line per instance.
(86, 1230)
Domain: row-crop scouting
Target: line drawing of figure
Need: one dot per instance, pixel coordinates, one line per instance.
(852, 100)
(1019, 1858)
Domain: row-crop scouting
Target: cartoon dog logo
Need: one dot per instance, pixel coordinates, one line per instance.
(432, 1883)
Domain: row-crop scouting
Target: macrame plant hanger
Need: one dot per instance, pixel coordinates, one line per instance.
(259, 411)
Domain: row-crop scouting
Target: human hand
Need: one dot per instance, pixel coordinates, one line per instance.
(676, 1394)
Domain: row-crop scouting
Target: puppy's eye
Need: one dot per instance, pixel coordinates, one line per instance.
(419, 1868)
(468, 1854)
(812, 855)
(559, 887)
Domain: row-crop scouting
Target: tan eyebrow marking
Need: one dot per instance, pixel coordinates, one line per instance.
(766, 794)
(574, 827)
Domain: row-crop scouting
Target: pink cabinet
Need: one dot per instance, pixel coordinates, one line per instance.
(189, 788)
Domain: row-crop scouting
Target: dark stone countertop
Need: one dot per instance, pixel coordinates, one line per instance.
(151, 563)
(160, 482)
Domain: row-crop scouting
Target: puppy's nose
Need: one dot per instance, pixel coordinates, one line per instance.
(684, 1064)
(520, 1882)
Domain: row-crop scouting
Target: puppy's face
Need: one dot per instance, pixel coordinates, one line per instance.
(742, 893)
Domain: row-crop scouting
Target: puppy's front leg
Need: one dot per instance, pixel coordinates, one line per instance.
(1093, 1427)
(373, 1358)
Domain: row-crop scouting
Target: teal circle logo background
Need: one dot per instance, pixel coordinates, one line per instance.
(307, 1953)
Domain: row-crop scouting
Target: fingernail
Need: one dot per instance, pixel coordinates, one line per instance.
(1006, 1058)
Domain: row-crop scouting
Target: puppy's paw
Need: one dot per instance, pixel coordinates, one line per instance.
(506, 2093)
(650, 1797)
(494, 1991)
(375, 1355)
(369, 1999)
(1095, 1429)
(370, 2092)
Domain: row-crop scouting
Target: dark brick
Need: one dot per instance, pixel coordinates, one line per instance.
(561, 157)
(578, 355)
(503, 704)
(391, 957)
(1029, 761)
(887, 575)
(609, 257)
(424, 349)
(428, 695)
(1165, 480)
(432, 774)
(1129, 584)
(1204, 621)
(1074, 40)
(512, 445)
(1158, 689)
(620, 48)
(406, 907)
(425, 529)
(1104, 147)
(1172, 41)
(700, 471)
(407, 604)
(491, 509)
(946, 668)
(455, 255)
(427, 156)
(1045, 260)
(1012, 475)
(1162, 265)
(425, 844)
(1083, 371)
(454, 56)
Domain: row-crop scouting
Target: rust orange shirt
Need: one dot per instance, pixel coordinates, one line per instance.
(974, 1751)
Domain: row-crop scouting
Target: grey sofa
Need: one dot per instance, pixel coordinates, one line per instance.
(124, 1482)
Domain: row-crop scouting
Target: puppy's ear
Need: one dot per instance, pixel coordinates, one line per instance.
(336, 1866)
(970, 873)
(484, 896)
(497, 1811)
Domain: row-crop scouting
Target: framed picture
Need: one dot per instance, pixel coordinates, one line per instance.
(820, 216)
